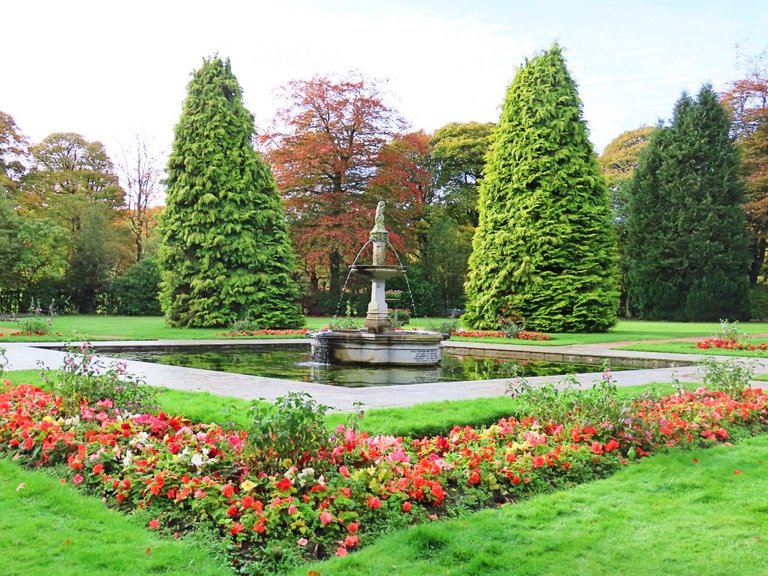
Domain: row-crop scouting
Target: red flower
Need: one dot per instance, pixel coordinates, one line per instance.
(228, 490)
(373, 502)
(352, 527)
(154, 524)
(247, 502)
(236, 528)
(351, 541)
(284, 484)
(406, 506)
(474, 478)
(99, 468)
(611, 445)
(596, 448)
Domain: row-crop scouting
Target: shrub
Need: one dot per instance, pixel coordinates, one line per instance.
(758, 298)
(400, 316)
(135, 292)
(85, 379)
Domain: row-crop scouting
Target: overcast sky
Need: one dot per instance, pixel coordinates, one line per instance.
(111, 69)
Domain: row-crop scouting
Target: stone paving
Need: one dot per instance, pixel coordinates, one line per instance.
(23, 356)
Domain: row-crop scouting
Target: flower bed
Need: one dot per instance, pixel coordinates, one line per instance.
(521, 335)
(266, 332)
(276, 510)
(728, 344)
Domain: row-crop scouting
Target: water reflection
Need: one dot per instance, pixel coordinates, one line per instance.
(293, 363)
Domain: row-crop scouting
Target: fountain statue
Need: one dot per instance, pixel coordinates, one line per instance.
(377, 342)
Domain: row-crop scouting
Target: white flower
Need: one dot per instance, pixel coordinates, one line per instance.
(197, 460)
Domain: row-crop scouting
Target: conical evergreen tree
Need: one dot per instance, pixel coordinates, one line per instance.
(687, 239)
(225, 251)
(545, 247)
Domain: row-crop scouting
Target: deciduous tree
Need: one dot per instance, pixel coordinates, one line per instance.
(686, 235)
(747, 99)
(140, 170)
(324, 149)
(14, 150)
(618, 163)
(544, 247)
(225, 253)
(458, 159)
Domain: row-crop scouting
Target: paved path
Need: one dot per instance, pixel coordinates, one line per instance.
(23, 356)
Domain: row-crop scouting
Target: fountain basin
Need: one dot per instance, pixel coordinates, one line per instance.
(394, 348)
(377, 271)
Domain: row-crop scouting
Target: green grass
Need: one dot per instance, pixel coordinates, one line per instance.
(666, 515)
(423, 419)
(629, 330)
(690, 348)
(79, 327)
(50, 529)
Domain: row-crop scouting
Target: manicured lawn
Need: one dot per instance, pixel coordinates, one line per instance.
(48, 528)
(154, 328)
(690, 348)
(667, 515)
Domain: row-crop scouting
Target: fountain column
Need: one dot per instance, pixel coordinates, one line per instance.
(377, 318)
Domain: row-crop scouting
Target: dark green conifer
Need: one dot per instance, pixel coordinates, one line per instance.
(687, 239)
(225, 252)
(545, 247)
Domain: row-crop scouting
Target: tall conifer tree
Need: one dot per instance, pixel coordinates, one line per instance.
(225, 251)
(687, 239)
(544, 248)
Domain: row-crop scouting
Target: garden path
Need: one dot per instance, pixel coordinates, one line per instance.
(22, 356)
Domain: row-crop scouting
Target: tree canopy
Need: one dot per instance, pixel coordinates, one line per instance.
(686, 234)
(225, 252)
(544, 248)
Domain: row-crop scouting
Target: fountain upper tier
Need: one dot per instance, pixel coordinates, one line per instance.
(377, 343)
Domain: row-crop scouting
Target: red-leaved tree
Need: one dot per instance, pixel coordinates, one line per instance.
(748, 100)
(323, 148)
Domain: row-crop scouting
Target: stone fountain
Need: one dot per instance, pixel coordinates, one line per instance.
(377, 343)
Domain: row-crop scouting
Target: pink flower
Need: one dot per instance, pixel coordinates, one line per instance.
(344, 471)
(326, 518)
(303, 542)
(341, 551)
(77, 479)
(154, 524)
(292, 510)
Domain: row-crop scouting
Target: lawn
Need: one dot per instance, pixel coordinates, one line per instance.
(48, 528)
(690, 348)
(79, 327)
(687, 512)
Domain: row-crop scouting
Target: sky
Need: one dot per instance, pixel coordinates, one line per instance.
(112, 70)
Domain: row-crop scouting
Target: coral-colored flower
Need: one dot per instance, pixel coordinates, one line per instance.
(154, 524)
(326, 518)
(406, 506)
(341, 551)
(77, 479)
(373, 502)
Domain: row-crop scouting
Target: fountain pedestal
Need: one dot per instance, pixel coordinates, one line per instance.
(377, 343)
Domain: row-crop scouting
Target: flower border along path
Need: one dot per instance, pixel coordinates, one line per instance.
(286, 492)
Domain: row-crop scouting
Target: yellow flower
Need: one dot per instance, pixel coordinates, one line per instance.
(247, 485)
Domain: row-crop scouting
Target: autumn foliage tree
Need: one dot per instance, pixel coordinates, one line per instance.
(324, 150)
(747, 99)
(226, 252)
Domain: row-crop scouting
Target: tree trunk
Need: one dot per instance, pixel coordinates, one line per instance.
(758, 258)
(334, 258)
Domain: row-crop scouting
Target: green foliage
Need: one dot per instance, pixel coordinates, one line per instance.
(292, 429)
(731, 376)
(225, 251)
(135, 293)
(686, 232)
(458, 157)
(544, 248)
(566, 401)
(84, 378)
(758, 302)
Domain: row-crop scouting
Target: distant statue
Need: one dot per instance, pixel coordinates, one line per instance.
(378, 221)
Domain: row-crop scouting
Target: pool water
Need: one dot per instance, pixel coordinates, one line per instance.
(294, 363)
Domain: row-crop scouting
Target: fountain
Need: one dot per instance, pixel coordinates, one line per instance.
(377, 343)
